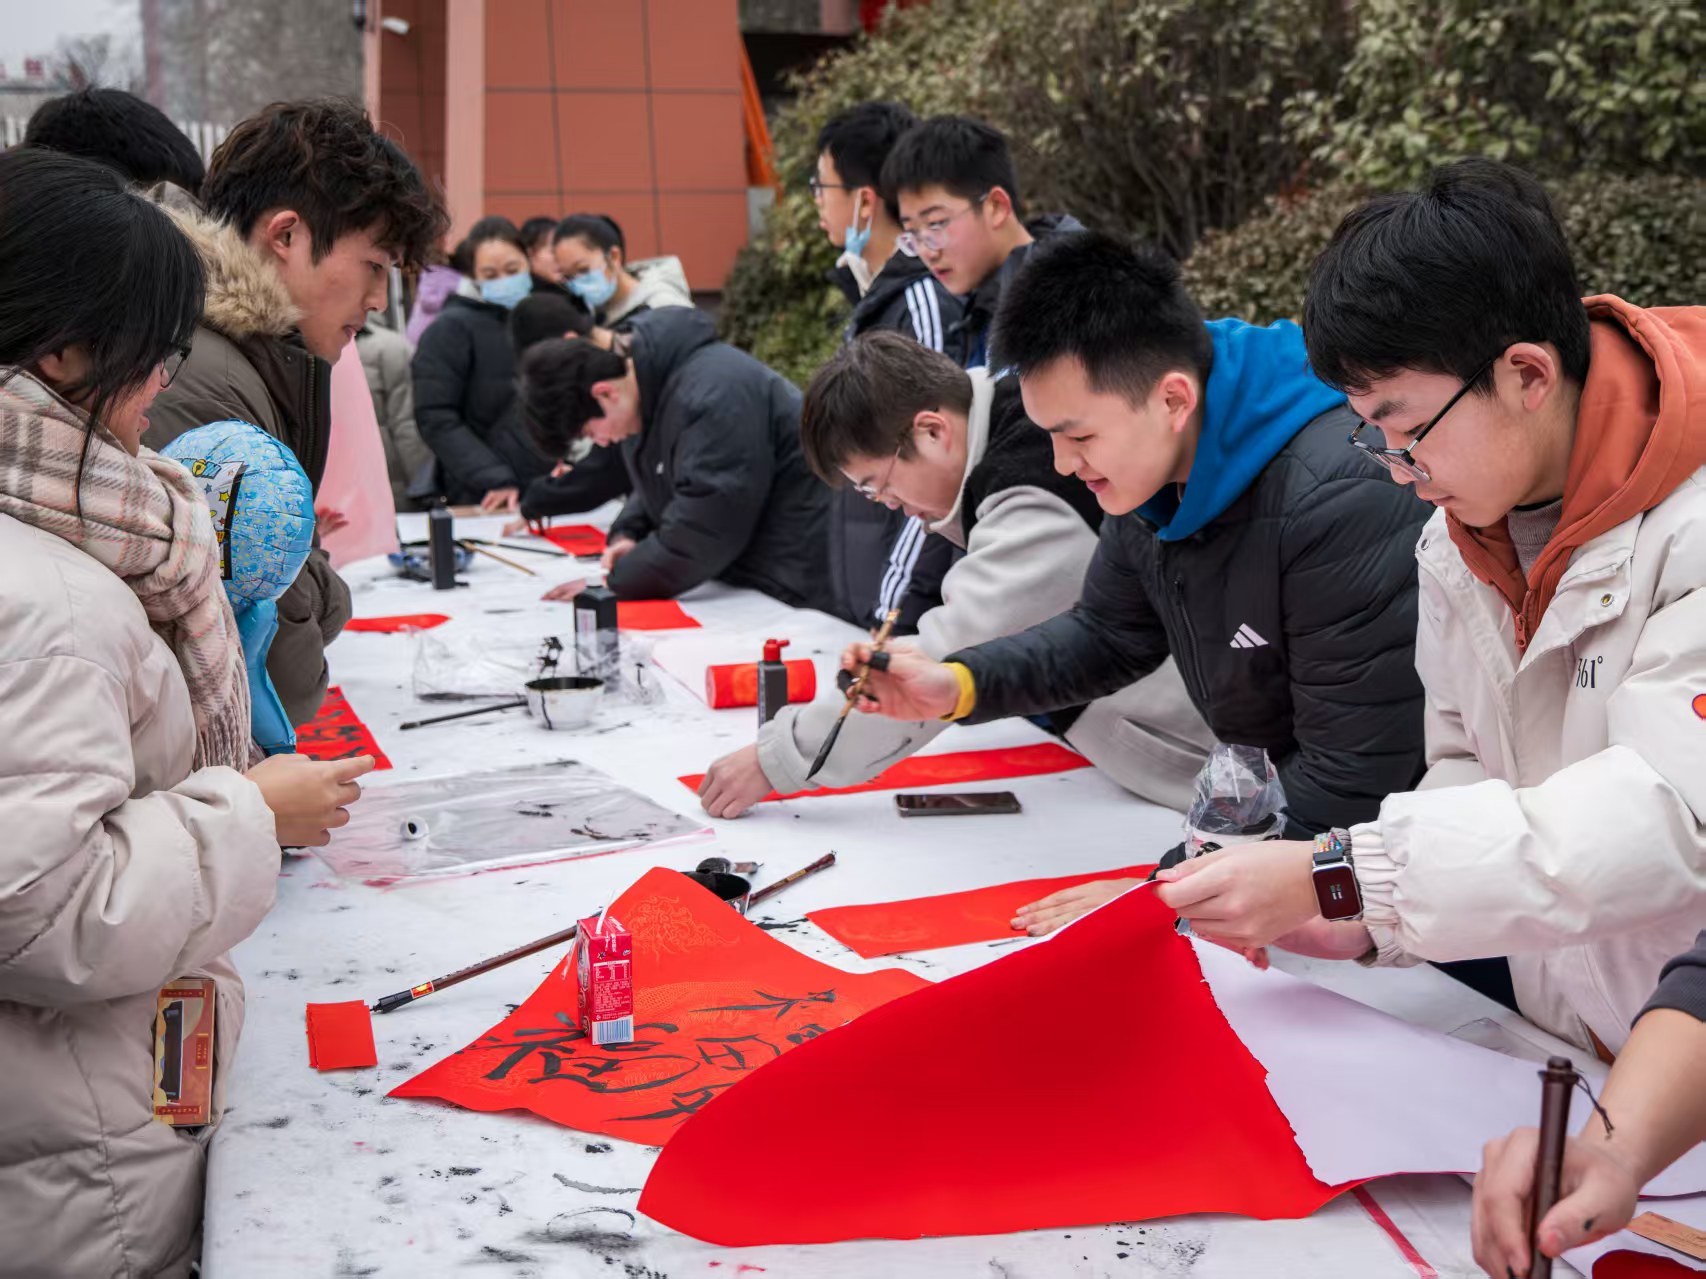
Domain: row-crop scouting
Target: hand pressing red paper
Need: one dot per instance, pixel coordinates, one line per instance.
(949, 919)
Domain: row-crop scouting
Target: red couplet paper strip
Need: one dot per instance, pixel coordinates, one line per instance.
(577, 539)
(950, 919)
(715, 998)
(1623, 1264)
(338, 733)
(398, 624)
(340, 1036)
(653, 615)
(1040, 1090)
(953, 768)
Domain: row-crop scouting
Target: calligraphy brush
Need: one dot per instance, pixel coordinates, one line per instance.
(478, 710)
(426, 988)
(511, 546)
(480, 548)
(392, 1002)
(879, 659)
(788, 881)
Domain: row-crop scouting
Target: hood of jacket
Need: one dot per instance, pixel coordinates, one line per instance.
(662, 341)
(1638, 437)
(245, 296)
(1258, 396)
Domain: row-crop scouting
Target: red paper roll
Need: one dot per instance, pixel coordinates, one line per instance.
(737, 685)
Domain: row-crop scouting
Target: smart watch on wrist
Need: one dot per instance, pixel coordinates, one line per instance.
(1334, 875)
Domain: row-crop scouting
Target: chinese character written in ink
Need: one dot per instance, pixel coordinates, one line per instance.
(781, 1005)
(738, 1052)
(683, 1104)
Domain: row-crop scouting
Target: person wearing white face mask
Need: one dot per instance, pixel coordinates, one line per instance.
(464, 372)
(592, 256)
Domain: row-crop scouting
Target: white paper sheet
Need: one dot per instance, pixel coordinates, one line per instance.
(1369, 1095)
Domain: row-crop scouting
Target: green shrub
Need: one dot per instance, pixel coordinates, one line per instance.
(1177, 121)
(1561, 86)
(1642, 238)
(1155, 118)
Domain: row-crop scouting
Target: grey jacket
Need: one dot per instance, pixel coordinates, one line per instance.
(247, 362)
(1026, 548)
(385, 356)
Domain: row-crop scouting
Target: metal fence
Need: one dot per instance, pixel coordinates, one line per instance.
(202, 135)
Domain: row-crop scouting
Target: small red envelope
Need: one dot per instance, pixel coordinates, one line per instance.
(340, 1036)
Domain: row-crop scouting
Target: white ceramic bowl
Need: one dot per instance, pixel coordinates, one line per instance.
(564, 701)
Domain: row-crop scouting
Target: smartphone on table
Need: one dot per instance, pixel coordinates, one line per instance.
(964, 804)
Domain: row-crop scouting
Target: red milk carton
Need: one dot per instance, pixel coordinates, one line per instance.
(604, 966)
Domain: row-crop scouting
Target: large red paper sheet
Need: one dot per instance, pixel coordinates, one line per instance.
(577, 539)
(338, 733)
(952, 768)
(715, 998)
(653, 615)
(1086, 1079)
(1639, 1265)
(950, 919)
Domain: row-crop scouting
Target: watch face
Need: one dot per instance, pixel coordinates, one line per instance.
(1336, 892)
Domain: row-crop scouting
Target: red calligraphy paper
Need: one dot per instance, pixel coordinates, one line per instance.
(715, 998)
(338, 733)
(577, 539)
(399, 624)
(653, 615)
(340, 1036)
(951, 768)
(1624, 1264)
(950, 919)
(1086, 1079)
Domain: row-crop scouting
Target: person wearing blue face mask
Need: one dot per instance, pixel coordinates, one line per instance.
(464, 371)
(592, 256)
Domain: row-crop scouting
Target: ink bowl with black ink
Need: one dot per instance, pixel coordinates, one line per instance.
(564, 701)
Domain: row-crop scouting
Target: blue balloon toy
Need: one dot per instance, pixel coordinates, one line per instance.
(263, 514)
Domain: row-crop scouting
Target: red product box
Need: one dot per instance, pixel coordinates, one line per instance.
(604, 968)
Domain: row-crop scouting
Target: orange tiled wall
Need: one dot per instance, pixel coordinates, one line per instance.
(411, 89)
(625, 107)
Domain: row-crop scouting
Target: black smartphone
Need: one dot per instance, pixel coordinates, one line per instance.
(962, 805)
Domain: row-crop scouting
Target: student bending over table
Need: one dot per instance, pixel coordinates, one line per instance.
(907, 427)
(711, 440)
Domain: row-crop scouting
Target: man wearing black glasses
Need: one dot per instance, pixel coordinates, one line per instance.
(1562, 619)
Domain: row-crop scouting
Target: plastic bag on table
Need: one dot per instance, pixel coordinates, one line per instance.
(506, 817)
(469, 664)
(1238, 800)
(636, 680)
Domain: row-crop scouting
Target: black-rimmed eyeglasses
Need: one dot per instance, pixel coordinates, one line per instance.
(1403, 461)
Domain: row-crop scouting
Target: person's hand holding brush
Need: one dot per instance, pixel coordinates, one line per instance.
(913, 687)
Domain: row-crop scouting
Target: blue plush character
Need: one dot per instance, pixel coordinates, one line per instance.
(263, 514)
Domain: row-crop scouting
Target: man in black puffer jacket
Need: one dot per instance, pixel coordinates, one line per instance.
(711, 440)
(1245, 539)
